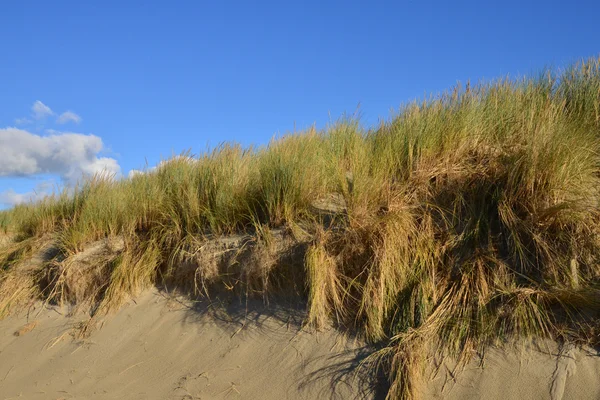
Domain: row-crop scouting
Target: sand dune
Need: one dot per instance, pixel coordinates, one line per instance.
(160, 347)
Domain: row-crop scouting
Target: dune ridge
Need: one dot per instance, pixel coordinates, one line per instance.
(467, 221)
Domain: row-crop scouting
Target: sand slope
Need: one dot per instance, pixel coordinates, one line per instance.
(160, 349)
(543, 372)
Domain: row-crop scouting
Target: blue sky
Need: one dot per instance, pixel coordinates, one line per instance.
(153, 78)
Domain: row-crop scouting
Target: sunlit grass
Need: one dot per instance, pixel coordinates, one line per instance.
(469, 219)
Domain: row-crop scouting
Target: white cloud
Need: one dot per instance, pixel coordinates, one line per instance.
(10, 197)
(40, 110)
(161, 164)
(69, 155)
(68, 116)
(135, 172)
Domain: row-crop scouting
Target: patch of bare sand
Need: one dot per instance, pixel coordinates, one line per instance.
(158, 348)
(528, 372)
(166, 348)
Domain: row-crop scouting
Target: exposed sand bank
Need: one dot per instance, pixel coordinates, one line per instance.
(160, 348)
(157, 348)
(164, 347)
(543, 372)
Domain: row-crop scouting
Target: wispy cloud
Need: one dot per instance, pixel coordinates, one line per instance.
(23, 121)
(68, 116)
(40, 110)
(11, 198)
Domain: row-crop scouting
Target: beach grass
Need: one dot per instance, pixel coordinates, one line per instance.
(467, 219)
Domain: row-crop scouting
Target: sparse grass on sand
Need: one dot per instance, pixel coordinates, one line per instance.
(468, 219)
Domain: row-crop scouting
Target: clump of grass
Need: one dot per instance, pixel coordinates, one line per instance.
(468, 219)
(5, 221)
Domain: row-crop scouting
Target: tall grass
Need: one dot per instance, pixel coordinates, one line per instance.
(468, 219)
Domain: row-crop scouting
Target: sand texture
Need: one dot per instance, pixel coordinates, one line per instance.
(163, 347)
(156, 348)
(540, 372)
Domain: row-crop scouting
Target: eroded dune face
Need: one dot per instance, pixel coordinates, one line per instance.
(161, 346)
(164, 348)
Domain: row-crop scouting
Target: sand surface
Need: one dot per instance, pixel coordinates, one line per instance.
(540, 372)
(160, 347)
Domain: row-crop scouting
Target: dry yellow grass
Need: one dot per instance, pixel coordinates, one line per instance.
(468, 219)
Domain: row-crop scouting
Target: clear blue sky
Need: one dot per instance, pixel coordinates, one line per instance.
(154, 78)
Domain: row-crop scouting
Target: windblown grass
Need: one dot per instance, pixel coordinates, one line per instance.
(468, 219)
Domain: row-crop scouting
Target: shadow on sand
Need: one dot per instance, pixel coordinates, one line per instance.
(284, 317)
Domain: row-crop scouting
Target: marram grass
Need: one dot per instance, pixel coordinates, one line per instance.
(467, 220)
